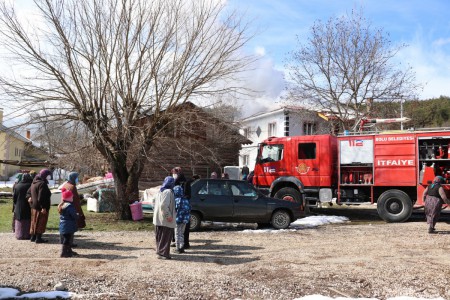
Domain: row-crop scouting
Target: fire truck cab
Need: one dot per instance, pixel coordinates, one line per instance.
(391, 169)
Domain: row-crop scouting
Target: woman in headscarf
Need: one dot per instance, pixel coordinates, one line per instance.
(164, 218)
(433, 197)
(40, 205)
(18, 179)
(22, 210)
(71, 185)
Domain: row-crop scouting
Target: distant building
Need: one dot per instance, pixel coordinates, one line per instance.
(285, 121)
(197, 141)
(12, 147)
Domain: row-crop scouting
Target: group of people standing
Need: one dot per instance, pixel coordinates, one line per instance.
(171, 214)
(31, 198)
(31, 206)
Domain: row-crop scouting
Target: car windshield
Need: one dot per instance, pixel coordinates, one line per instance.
(242, 189)
(214, 188)
(227, 188)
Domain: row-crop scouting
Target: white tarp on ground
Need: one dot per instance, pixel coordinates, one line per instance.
(85, 188)
(148, 198)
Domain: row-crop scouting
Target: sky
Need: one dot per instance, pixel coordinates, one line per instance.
(422, 25)
(276, 24)
(308, 222)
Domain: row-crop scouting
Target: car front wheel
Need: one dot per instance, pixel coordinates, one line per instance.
(195, 221)
(281, 219)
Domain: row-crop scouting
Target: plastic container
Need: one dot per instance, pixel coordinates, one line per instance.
(136, 211)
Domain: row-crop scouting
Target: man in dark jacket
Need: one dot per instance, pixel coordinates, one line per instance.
(40, 205)
(187, 194)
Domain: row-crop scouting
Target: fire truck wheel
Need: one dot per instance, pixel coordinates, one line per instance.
(289, 194)
(281, 219)
(394, 206)
(196, 221)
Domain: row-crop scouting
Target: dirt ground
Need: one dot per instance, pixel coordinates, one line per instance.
(362, 258)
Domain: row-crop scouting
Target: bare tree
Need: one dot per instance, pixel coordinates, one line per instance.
(343, 64)
(70, 146)
(109, 63)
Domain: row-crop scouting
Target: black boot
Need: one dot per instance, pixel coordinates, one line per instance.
(71, 241)
(39, 239)
(33, 238)
(72, 253)
(66, 251)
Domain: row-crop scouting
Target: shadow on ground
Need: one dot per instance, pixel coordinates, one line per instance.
(211, 251)
(360, 214)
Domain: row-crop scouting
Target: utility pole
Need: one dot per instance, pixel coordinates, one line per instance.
(401, 113)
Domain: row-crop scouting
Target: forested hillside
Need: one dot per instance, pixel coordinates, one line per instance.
(423, 113)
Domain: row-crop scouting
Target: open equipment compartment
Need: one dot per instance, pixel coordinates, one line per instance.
(434, 158)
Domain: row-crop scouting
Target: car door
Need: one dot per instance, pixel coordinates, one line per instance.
(249, 206)
(214, 201)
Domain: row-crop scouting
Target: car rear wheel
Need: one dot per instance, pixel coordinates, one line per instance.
(196, 221)
(281, 219)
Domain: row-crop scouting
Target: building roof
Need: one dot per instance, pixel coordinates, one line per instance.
(26, 163)
(286, 108)
(14, 134)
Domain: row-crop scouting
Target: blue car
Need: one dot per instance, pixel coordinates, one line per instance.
(237, 201)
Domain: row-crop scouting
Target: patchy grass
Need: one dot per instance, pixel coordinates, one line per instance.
(94, 221)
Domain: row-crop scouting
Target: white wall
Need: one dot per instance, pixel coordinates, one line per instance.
(262, 121)
(277, 116)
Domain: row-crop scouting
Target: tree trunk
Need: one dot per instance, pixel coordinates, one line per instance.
(126, 184)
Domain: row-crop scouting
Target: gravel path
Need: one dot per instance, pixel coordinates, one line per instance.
(365, 260)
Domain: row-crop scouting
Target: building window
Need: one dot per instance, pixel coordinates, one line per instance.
(286, 125)
(272, 130)
(309, 128)
(245, 160)
(247, 132)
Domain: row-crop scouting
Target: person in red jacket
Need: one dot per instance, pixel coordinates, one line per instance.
(71, 185)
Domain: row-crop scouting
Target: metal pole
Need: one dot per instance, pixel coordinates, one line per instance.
(401, 113)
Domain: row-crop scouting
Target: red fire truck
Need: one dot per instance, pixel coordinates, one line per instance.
(390, 169)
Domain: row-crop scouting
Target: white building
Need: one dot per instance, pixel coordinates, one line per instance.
(285, 121)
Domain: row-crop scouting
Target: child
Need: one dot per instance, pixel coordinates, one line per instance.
(183, 208)
(67, 222)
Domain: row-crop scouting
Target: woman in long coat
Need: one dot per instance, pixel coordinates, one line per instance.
(40, 205)
(433, 197)
(22, 210)
(164, 218)
(18, 179)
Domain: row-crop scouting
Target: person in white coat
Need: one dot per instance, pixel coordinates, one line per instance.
(164, 218)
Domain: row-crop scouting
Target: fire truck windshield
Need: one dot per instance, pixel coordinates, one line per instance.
(271, 153)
